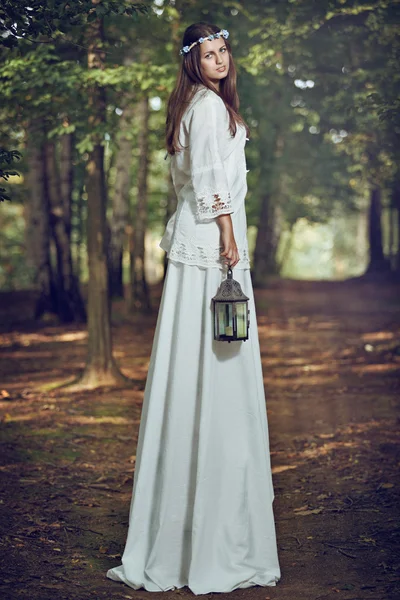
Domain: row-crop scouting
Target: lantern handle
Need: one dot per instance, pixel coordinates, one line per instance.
(230, 272)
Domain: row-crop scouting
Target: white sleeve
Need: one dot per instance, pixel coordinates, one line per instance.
(206, 132)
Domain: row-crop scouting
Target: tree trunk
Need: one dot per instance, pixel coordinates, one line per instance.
(120, 202)
(398, 231)
(265, 262)
(38, 228)
(287, 247)
(66, 177)
(396, 209)
(377, 261)
(80, 220)
(140, 292)
(100, 366)
(391, 254)
(268, 232)
(70, 306)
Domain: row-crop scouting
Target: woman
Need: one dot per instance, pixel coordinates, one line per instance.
(201, 511)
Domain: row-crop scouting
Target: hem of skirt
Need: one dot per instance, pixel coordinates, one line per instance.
(152, 587)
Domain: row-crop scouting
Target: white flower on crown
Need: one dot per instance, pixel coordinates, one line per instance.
(212, 36)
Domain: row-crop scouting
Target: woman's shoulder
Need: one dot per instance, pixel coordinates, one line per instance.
(203, 101)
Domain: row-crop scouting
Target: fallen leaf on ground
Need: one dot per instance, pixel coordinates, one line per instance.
(313, 511)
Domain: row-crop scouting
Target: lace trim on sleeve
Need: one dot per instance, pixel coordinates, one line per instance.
(211, 205)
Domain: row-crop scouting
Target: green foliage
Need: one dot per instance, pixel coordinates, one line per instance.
(7, 158)
(22, 21)
(14, 270)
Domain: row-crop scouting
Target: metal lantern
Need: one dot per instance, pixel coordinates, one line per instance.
(231, 313)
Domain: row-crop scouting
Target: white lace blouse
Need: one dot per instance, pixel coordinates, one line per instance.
(209, 177)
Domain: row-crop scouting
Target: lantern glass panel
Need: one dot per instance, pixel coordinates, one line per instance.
(225, 319)
(228, 319)
(221, 319)
(241, 319)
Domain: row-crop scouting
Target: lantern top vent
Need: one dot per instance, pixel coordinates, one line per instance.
(230, 290)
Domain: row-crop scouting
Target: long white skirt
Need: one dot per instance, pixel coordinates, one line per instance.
(201, 512)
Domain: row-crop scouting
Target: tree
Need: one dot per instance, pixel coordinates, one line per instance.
(269, 227)
(140, 297)
(101, 368)
(119, 220)
(66, 143)
(69, 303)
(38, 226)
(396, 206)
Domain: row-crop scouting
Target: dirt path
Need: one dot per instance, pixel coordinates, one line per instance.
(331, 359)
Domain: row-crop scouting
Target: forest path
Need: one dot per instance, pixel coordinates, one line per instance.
(331, 360)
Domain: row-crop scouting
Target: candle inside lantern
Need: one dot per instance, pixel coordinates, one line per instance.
(229, 330)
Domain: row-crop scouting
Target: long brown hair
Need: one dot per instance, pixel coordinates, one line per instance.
(190, 76)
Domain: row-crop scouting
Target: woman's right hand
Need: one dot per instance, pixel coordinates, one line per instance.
(229, 248)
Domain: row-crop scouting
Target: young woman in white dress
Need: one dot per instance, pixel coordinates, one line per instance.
(201, 512)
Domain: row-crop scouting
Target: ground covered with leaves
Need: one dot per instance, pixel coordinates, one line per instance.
(331, 360)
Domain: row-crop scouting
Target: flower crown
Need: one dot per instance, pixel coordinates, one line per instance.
(224, 33)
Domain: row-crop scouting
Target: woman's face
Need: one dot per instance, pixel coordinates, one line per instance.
(214, 60)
